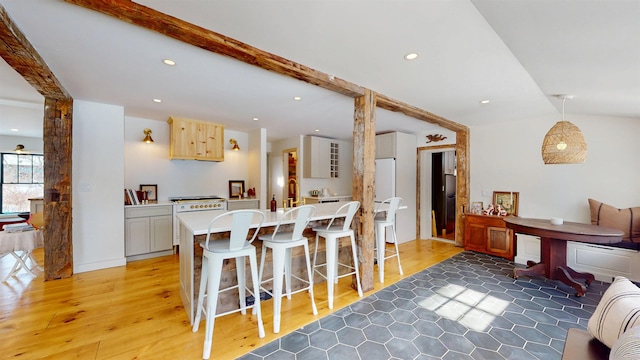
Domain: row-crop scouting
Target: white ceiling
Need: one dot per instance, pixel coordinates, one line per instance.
(516, 53)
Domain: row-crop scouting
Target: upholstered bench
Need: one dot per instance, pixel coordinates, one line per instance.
(580, 345)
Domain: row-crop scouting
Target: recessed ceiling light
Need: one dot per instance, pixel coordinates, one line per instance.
(169, 62)
(14, 129)
(485, 101)
(255, 119)
(317, 130)
(411, 56)
(297, 98)
(157, 100)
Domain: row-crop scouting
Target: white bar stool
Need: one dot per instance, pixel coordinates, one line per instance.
(213, 255)
(332, 234)
(382, 223)
(281, 243)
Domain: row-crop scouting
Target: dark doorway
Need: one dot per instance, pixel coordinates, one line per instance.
(443, 192)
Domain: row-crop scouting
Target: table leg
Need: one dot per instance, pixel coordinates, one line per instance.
(567, 275)
(553, 265)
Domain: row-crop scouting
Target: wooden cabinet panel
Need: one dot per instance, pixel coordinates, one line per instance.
(161, 236)
(489, 235)
(317, 157)
(386, 145)
(196, 140)
(148, 231)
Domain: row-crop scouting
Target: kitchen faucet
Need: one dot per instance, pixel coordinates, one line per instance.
(297, 198)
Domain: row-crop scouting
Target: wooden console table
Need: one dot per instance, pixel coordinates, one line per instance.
(553, 248)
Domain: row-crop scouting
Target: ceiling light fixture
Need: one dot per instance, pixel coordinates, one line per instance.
(147, 137)
(19, 148)
(169, 62)
(485, 101)
(157, 100)
(411, 56)
(297, 98)
(255, 119)
(317, 130)
(14, 129)
(564, 142)
(234, 142)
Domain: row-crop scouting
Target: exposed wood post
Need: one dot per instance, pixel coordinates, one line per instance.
(462, 182)
(364, 151)
(16, 50)
(58, 246)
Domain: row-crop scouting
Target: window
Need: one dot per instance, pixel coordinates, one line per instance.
(22, 179)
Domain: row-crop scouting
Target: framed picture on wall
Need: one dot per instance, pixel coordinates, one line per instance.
(508, 200)
(236, 188)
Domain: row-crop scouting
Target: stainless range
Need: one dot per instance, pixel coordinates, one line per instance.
(183, 204)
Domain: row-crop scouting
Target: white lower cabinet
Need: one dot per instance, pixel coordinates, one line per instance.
(148, 231)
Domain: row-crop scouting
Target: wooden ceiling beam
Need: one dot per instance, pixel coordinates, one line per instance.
(189, 33)
(16, 50)
(390, 104)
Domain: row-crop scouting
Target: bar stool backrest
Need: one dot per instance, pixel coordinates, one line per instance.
(302, 215)
(240, 223)
(350, 208)
(394, 204)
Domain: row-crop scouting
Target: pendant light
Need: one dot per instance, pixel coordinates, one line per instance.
(564, 142)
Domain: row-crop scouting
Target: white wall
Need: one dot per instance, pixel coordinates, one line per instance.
(257, 164)
(98, 172)
(150, 164)
(31, 145)
(506, 157)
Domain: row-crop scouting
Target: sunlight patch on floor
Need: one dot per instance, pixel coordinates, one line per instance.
(473, 309)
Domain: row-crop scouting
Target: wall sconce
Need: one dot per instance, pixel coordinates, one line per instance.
(235, 144)
(19, 148)
(147, 138)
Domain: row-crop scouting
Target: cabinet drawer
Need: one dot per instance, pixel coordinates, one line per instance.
(142, 211)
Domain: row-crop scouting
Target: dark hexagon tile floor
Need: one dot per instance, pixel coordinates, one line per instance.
(466, 307)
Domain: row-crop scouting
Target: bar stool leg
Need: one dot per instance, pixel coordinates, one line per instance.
(215, 274)
(287, 271)
(395, 242)
(380, 251)
(331, 264)
(278, 255)
(204, 275)
(355, 263)
(241, 275)
(253, 263)
(310, 275)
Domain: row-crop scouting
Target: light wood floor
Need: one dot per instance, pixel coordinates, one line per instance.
(135, 312)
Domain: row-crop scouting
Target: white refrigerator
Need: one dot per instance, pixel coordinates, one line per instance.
(385, 179)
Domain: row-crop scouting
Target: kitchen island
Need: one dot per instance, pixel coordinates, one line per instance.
(193, 229)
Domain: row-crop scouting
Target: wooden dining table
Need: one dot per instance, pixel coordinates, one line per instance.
(553, 248)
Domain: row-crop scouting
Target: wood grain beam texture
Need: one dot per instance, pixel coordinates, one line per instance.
(364, 142)
(18, 52)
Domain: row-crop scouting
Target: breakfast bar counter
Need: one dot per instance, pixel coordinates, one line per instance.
(193, 229)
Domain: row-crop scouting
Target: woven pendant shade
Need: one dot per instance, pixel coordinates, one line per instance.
(564, 144)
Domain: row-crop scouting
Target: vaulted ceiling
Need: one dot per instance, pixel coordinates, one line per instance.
(517, 54)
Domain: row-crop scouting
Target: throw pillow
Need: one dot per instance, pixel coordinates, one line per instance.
(627, 220)
(628, 346)
(617, 311)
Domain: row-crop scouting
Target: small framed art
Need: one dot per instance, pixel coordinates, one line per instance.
(477, 207)
(151, 190)
(508, 200)
(236, 188)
